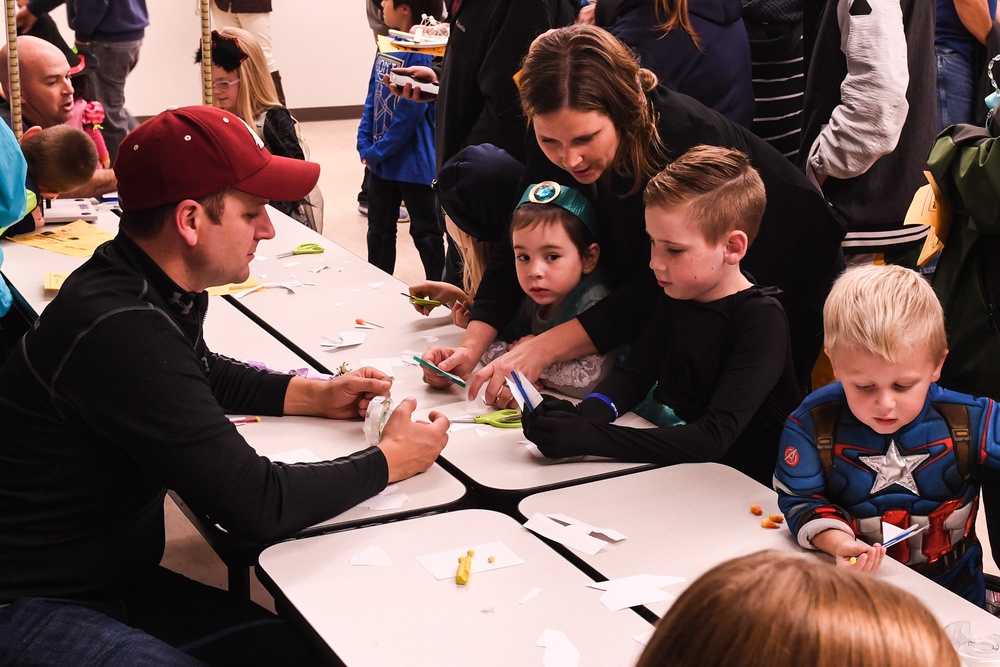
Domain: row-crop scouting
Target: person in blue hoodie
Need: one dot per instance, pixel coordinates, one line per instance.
(12, 204)
(108, 35)
(696, 47)
(396, 143)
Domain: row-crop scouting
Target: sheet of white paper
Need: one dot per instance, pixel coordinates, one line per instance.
(546, 527)
(559, 650)
(900, 534)
(444, 564)
(296, 456)
(376, 285)
(288, 265)
(372, 556)
(530, 594)
(391, 498)
(638, 581)
(890, 531)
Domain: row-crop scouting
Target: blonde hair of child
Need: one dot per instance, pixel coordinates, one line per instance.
(885, 310)
(722, 190)
(256, 89)
(60, 158)
(782, 610)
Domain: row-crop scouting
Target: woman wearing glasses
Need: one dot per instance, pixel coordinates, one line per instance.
(241, 84)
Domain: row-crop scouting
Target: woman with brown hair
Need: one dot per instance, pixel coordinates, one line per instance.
(780, 610)
(601, 120)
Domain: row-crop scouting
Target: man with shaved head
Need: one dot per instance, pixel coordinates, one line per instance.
(47, 98)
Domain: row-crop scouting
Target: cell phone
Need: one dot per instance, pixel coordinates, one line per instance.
(452, 378)
(402, 80)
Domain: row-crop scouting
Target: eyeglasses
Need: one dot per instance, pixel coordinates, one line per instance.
(224, 86)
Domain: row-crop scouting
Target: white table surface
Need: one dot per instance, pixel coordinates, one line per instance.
(402, 615)
(685, 519)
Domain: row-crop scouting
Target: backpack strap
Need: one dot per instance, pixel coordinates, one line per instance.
(825, 418)
(956, 416)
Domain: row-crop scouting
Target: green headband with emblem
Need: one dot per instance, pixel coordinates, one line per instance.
(550, 192)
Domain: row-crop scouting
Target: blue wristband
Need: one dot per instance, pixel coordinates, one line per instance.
(602, 397)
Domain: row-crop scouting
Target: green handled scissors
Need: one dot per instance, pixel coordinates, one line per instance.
(507, 418)
(421, 301)
(304, 249)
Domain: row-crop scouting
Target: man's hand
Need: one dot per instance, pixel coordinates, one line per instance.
(343, 397)
(412, 447)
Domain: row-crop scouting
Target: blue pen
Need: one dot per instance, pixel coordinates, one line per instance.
(520, 389)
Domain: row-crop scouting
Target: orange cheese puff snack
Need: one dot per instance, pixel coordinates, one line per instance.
(756, 510)
(767, 523)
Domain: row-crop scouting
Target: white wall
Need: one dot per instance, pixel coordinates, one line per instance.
(324, 51)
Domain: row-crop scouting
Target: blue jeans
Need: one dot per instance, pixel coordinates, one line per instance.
(954, 87)
(115, 60)
(164, 619)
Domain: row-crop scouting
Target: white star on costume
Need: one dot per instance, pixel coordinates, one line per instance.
(894, 468)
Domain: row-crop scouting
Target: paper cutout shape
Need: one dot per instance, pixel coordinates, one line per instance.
(530, 594)
(559, 650)
(347, 338)
(572, 533)
(636, 590)
(442, 565)
(391, 498)
(523, 391)
(893, 535)
(372, 557)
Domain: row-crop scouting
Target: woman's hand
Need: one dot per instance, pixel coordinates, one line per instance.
(527, 357)
(455, 360)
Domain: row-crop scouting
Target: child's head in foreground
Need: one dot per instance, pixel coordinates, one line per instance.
(884, 332)
(702, 213)
(60, 158)
(771, 609)
(553, 232)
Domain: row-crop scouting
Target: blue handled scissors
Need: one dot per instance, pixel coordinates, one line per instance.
(304, 249)
(507, 418)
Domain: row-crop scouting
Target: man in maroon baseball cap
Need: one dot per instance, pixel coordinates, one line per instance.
(114, 397)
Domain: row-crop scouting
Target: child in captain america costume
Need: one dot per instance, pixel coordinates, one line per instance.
(885, 443)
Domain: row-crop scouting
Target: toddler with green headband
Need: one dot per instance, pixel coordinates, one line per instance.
(554, 236)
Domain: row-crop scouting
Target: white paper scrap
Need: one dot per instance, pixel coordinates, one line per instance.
(288, 265)
(644, 637)
(348, 338)
(546, 527)
(430, 339)
(636, 590)
(372, 556)
(444, 564)
(559, 650)
(530, 594)
(391, 498)
(406, 356)
(608, 534)
(376, 285)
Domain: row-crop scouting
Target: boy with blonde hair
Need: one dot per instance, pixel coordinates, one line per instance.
(885, 445)
(716, 351)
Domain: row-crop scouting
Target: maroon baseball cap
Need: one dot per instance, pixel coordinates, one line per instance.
(196, 151)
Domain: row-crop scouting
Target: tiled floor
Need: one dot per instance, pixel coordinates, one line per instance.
(332, 145)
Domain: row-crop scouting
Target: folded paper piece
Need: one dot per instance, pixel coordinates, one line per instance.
(391, 498)
(530, 594)
(572, 533)
(559, 650)
(347, 339)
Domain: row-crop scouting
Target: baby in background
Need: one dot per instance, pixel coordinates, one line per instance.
(553, 233)
(60, 158)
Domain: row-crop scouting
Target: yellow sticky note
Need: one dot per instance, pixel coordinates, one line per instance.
(232, 288)
(77, 239)
(54, 281)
